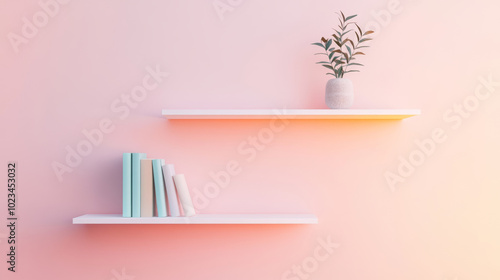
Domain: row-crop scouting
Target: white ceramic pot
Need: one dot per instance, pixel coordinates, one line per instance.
(339, 94)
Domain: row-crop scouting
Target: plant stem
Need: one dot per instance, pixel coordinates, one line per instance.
(341, 73)
(345, 68)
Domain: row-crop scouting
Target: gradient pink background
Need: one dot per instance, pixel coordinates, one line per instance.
(442, 223)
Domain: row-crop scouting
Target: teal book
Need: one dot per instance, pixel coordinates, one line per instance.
(127, 185)
(161, 204)
(136, 183)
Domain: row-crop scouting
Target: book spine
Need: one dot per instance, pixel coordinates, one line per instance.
(161, 205)
(173, 205)
(147, 208)
(136, 183)
(127, 185)
(184, 196)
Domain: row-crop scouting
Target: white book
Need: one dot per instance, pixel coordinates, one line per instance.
(173, 205)
(184, 196)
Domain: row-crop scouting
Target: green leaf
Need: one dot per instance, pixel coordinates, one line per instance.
(346, 57)
(350, 17)
(352, 71)
(349, 50)
(328, 44)
(321, 62)
(332, 49)
(365, 39)
(320, 53)
(343, 34)
(318, 44)
(331, 55)
(328, 66)
(360, 47)
(355, 64)
(330, 74)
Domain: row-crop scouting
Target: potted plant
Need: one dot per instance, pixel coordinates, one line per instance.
(342, 51)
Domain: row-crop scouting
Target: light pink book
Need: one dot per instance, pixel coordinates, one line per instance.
(173, 205)
(147, 188)
(184, 196)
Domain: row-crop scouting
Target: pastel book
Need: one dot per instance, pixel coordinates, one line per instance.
(127, 185)
(184, 196)
(147, 196)
(136, 183)
(173, 205)
(161, 204)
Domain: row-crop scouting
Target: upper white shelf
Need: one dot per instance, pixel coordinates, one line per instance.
(201, 219)
(300, 114)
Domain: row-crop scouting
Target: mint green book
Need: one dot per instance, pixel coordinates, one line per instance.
(161, 204)
(136, 183)
(127, 185)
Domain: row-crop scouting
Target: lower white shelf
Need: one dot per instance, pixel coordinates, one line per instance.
(201, 219)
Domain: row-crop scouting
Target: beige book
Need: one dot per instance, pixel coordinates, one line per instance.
(147, 199)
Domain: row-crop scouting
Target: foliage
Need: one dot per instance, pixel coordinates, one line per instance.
(341, 50)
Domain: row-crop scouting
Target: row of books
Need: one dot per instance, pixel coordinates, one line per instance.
(151, 188)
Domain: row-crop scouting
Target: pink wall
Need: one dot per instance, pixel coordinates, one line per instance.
(441, 222)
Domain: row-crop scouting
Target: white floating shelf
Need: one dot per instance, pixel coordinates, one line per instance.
(201, 219)
(300, 114)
